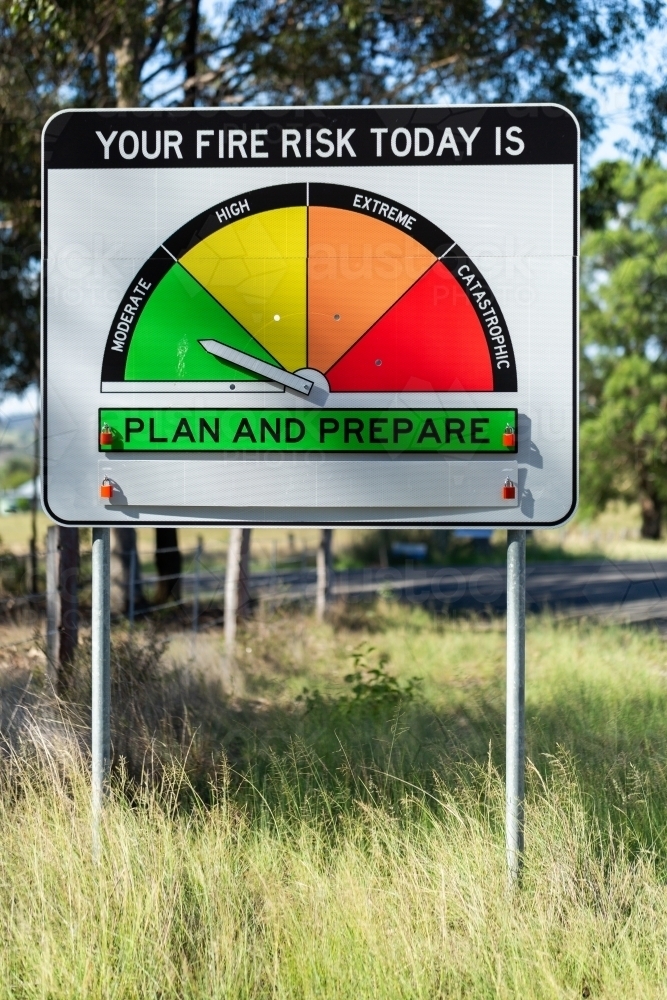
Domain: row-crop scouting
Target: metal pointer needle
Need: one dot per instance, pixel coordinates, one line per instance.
(256, 366)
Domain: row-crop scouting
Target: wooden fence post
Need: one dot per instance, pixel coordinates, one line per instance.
(169, 565)
(243, 606)
(62, 606)
(126, 586)
(323, 589)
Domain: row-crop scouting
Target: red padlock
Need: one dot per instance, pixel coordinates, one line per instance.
(106, 489)
(106, 436)
(509, 437)
(509, 490)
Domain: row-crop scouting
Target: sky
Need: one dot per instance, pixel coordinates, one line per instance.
(618, 125)
(614, 104)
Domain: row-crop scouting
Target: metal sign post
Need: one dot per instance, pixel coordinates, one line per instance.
(516, 698)
(101, 675)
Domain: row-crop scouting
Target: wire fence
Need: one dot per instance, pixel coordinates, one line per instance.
(201, 582)
(196, 591)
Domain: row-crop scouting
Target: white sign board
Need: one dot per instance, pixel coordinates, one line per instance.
(317, 316)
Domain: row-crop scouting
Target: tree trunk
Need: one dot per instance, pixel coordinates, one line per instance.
(323, 587)
(441, 541)
(128, 87)
(101, 55)
(384, 548)
(243, 606)
(190, 55)
(34, 582)
(126, 560)
(651, 517)
(62, 613)
(169, 565)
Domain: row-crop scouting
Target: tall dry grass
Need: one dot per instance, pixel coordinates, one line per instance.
(349, 844)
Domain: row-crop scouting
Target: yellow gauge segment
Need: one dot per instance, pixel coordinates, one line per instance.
(257, 269)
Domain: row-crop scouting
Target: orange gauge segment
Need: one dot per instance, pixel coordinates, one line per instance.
(358, 266)
(429, 341)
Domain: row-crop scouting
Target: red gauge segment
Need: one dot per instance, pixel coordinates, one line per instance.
(430, 340)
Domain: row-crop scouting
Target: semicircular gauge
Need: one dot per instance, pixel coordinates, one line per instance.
(309, 278)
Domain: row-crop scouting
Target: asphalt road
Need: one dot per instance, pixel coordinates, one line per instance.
(621, 591)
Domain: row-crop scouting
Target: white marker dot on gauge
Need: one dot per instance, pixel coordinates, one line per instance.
(277, 318)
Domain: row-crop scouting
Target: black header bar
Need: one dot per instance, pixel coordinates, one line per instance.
(270, 137)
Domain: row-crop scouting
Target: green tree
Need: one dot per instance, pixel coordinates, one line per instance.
(411, 51)
(15, 472)
(99, 53)
(81, 53)
(125, 53)
(624, 329)
(26, 99)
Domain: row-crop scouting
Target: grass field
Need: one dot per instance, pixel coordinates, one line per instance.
(613, 534)
(345, 841)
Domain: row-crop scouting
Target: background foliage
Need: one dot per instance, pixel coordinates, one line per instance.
(624, 326)
(132, 53)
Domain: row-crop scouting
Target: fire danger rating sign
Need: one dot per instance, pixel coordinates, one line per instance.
(380, 299)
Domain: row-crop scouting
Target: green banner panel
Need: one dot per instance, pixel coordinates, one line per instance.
(355, 430)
